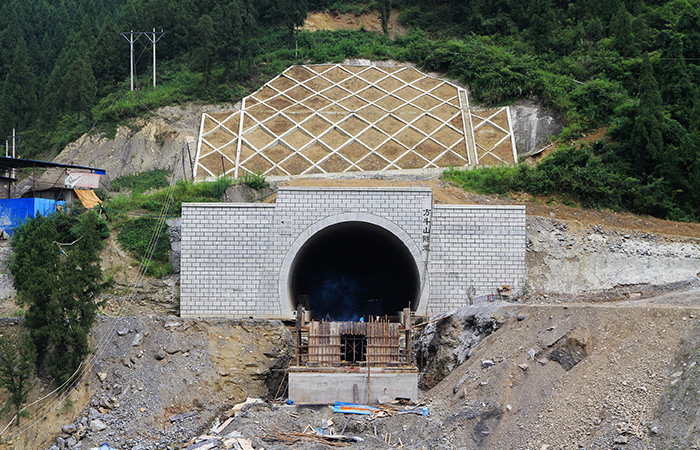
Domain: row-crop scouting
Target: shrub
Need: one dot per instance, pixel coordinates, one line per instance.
(256, 180)
(136, 236)
(142, 182)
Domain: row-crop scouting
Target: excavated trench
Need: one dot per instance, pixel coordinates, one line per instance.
(352, 270)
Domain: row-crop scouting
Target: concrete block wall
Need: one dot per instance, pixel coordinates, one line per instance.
(474, 248)
(235, 257)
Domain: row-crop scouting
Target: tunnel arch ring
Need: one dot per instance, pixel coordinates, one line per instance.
(419, 259)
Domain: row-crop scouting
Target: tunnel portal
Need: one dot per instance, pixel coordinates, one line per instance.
(354, 269)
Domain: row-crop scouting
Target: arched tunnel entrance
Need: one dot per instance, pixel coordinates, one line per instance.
(354, 269)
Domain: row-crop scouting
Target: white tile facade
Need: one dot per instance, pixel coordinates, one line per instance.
(236, 257)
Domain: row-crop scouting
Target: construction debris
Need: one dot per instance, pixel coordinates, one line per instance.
(289, 437)
(236, 408)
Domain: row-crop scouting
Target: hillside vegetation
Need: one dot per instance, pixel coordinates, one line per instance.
(629, 66)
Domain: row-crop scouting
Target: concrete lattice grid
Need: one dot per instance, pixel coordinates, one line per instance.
(315, 119)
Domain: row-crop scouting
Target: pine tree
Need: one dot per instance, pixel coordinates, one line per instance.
(621, 29)
(543, 22)
(109, 58)
(647, 137)
(79, 86)
(384, 13)
(294, 14)
(676, 88)
(18, 92)
(688, 26)
(204, 53)
(16, 367)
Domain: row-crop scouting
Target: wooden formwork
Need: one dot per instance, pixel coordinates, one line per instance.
(379, 343)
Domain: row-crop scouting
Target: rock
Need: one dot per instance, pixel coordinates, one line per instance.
(61, 442)
(97, 425)
(160, 355)
(655, 430)
(93, 414)
(622, 439)
(70, 428)
(523, 366)
(172, 349)
(521, 317)
(171, 325)
(71, 442)
(487, 363)
(137, 340)
(101, 376)
(123, 331)
(54, 447)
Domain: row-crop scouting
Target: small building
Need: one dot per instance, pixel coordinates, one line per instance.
(66, 183)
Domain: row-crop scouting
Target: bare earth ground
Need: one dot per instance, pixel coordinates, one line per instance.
(549, 377)
(335, 21)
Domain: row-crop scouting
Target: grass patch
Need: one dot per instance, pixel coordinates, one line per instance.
(136, 236)
(142, 182)
(575, 175)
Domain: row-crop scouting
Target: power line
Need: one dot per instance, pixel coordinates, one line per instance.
(133, 36)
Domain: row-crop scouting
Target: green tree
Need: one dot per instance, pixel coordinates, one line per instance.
(204, 53)
(18, 92)
(676, 88)
(79, 84)
(236, 24)
(621, 29)
(16, 367)
(647, 137)
(110, 60)
(56, 270)
(688, 26)
(543, 21)
(384, 13)
(293, 13)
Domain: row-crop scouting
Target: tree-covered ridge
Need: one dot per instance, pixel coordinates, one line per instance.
(630, 66)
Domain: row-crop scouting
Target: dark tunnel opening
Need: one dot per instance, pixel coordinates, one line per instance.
(352, 270)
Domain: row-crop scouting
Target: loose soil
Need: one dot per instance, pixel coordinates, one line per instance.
(326, 20)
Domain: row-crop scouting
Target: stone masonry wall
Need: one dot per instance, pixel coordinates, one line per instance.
(236, 257)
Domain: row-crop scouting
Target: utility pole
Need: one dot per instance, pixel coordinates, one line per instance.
(154, 37)
(131, 39)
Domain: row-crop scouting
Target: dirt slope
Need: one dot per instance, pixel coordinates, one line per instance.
(568, 377)
(151, 369)
(332, 20)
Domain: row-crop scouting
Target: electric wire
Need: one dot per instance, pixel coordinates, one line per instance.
(61, 392)
(80, 373)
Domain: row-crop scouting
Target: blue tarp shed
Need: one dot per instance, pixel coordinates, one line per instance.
(14, 211)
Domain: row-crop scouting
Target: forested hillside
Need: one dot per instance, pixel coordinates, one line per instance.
(631, 67)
